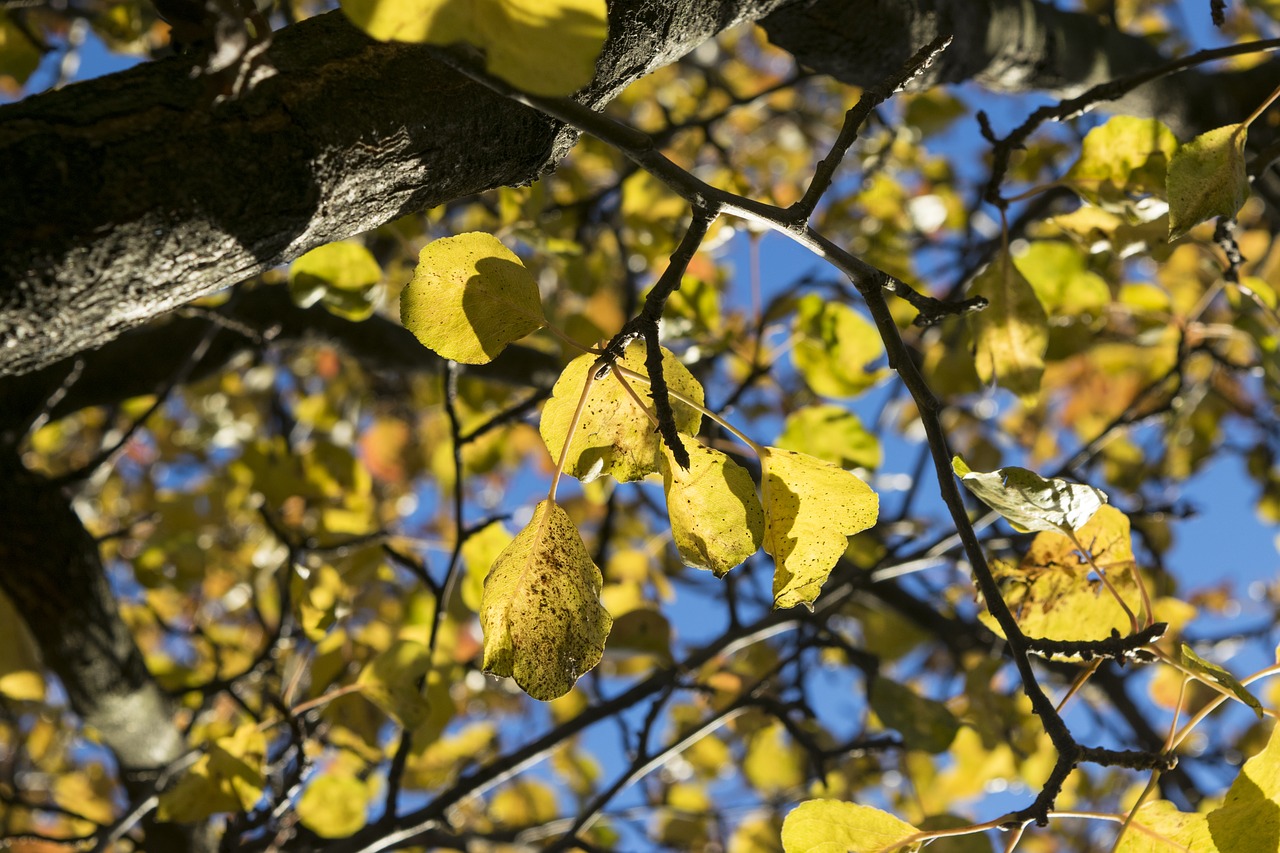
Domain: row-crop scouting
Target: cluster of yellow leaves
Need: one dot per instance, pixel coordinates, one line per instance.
(539, 603)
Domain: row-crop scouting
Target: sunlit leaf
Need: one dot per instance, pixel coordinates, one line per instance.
(545, 47)
(716, 518)
(923, 723)
(21, 675)
(773, 762)
(614, 435)
(541, 613)
(341, 276)
(831, 826)
(469, 298)
(1029, 501)
(228, 777)
(334, 805)
(831, 433)
(1012, 333)
(1207, 178)
(1060, 277)
(1212, 672)
(835, 347)
(526, 802)
(1122, 166)
(1159, 827)
(391, 679)
(811, 509)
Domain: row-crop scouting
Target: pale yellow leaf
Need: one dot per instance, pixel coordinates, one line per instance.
(831, 433)
(811, 509)
(470, 296)
(831, 826)
(390, 681)
(716, 518)
(1122, 166)
(835, 347)
(541, 613)
(334, 805)
(227, 778)
(479, 553)
(614, 435)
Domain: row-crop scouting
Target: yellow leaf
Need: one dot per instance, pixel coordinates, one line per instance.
(541, 613)
(716, 518)
(334, 805)
(830, 826)
(773, 764)
(811, 509)
(831, 433)
(614, 435)
(1207, 178)
(470, 296)
(1029, 501)
(479, 553)
(1012, 333)
(390, 681)
(1159, 827)
(1122, 166)
(1248, 821)
(21, 676)
(1060, 277)
(525, 802)
(340, 276)
(436, 763)
(227, 778)
(834, 347)
(545, 47)
(757, 835)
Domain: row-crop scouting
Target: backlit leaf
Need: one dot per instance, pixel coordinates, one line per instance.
(773, 762)
(1122, 166)
(716, 518)
(811, 509)
(614, 435)
(831, 433)
(1012, 333)
(1212, 672)
(541, 613)
(1029, 501)
(1158, 827)
(479, 553)
(545, 47)
(835, 345)
(341, 276)
(1207, 178)
(334, 805)
(1059, 275)
(923, 723)
(470, 296)
(390, 681)
(831, 826)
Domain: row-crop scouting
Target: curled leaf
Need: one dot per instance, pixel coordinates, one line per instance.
(1030, 502)
(470, 296)
(541, 613)
(1209, 671)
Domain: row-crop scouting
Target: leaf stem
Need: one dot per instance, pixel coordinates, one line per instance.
(1115, 593)
(1260, 110)
(568, 436)
(757, 449)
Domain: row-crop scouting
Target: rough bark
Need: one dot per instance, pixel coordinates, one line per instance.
(135, 195)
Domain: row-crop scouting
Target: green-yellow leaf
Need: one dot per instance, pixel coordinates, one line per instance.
(1029, 501)
(1158, 827)
(834, 347)
(391, 679)
(470, 296)
(1011, 334)
(541, 613)
(1059, 275)
(334, 805)
(614, 435)
(773, 762)
(923, 723)
(1211, 672)
(811, 508)
(479, 553)
(1122, 166)
(831, 826)
(831, 433)
(545, 47)
(227, 778)
(716, 518)
(1207, 178)
(340, 276)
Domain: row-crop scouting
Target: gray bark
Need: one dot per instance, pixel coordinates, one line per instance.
(134, 195)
